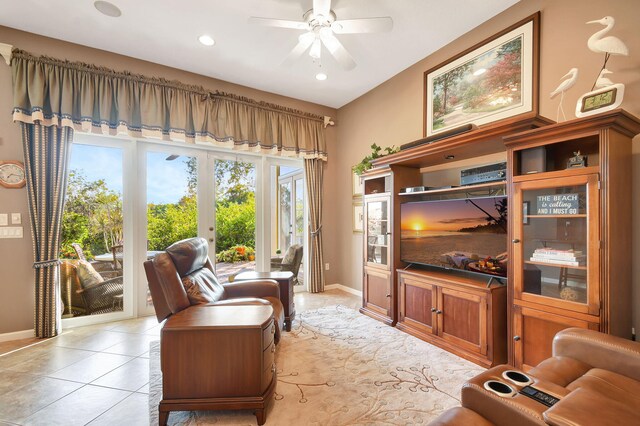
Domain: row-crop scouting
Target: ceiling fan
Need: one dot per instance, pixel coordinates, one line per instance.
(321, 25)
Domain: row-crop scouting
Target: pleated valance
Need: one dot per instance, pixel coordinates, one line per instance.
(100, 100)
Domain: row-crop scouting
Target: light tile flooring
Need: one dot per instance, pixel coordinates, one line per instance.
(98, 374)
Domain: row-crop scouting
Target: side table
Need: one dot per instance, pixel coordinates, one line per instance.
(285, 281)
(218, 358)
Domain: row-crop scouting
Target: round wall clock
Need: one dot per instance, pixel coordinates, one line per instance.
(12, 174)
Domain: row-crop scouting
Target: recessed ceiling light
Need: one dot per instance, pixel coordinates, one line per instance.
(321, 76)
(107, 8)
(206, 40)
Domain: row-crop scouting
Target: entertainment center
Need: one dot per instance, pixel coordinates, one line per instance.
(491, 271)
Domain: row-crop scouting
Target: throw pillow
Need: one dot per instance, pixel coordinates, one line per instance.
(289, 255)
(87, 274)
(202, 286)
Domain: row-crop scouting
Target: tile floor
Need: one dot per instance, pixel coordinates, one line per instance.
(98, 374)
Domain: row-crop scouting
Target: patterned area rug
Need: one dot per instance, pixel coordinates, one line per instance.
(339, 367)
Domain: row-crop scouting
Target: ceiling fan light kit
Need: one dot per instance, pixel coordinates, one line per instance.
(321, 25)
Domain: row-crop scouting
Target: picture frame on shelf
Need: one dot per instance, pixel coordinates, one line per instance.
(491, 81)
(357, 186)
(358, 218)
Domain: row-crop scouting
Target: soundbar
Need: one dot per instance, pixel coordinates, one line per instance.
(437, 137)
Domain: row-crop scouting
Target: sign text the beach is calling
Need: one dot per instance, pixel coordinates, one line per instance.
(557, 204)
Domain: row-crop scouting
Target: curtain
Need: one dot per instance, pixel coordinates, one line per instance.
(46, 154)
(313, 169)
(99, 100)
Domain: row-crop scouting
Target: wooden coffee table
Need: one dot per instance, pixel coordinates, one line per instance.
(285, 281)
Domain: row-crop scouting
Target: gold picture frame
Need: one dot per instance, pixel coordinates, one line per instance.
(357, 218)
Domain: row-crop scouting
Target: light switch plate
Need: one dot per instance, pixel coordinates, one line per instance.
(4, 219)
(16, 218)
(11, 232)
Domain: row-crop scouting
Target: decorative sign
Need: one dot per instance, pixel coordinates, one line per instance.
(558, 204)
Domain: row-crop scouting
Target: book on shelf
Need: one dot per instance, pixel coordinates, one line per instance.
(564, 254)
(556, 257)
(558, 261)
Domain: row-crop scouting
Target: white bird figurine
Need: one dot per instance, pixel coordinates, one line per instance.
(571, 78)
(603, 81)
(566, 84)
(609, 45)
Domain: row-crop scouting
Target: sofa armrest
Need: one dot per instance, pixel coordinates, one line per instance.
(599, 350)
(585, 406)
(252, 288)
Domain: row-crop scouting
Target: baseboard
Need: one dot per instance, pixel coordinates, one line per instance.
(17, 335)
(343, 288)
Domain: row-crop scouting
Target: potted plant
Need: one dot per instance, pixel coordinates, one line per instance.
(376, 152)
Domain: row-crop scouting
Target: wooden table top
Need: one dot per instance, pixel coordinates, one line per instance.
(220, 317)
(276, 275)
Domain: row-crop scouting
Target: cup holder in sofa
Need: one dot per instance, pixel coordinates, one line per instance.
(517, 377)
(499, 388)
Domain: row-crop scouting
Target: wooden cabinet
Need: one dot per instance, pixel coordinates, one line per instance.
(570, 231)
(381, 240)
(460, 314)
(534, 331)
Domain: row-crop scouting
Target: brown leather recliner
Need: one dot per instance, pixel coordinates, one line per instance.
(594, 376)
(186, 263)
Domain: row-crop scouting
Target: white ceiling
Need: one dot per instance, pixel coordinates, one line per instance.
(166, 32)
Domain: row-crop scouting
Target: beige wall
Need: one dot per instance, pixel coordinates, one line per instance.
(391, 114)
(16, 274)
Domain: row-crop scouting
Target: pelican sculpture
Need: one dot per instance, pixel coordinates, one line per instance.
(609, 45)
(568, 80)
(603, 81)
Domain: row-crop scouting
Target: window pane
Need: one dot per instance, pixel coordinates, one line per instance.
(92, 232)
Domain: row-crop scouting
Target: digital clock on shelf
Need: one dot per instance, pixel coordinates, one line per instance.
(597, 101)
(12, 174)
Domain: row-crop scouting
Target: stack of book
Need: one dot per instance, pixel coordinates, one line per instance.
(559, 257)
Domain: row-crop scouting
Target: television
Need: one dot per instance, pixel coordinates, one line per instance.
(467, 234)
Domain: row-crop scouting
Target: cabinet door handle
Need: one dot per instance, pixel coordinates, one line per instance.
(433, 309)
(388, 295)
(438, 312)
(516, 338)
(515, 241)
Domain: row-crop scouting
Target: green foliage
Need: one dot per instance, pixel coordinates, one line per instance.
(365, 164)
(92, 216)
(168, 223)
(236, 254)
(236, 224)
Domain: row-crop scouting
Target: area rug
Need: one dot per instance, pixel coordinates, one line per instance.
(339, 367)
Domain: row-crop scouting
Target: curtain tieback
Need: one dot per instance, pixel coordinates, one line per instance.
(316, 232)
(46, 263)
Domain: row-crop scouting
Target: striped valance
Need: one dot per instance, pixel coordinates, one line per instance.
(99, 100)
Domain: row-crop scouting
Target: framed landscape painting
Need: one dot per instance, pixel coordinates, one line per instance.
(491, 81)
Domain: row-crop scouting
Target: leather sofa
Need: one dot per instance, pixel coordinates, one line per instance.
(594, 378)
(187, 261)
(217, 345)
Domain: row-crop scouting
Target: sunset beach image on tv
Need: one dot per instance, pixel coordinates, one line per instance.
(467, 234)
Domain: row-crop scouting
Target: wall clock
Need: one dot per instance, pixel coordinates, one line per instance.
(12, 174)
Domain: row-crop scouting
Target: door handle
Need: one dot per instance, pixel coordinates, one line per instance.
(388, 295)
(438, 312)
(433, 309)
(515, 241)
(516, 338)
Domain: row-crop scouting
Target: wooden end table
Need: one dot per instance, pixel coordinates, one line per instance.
(285, 281)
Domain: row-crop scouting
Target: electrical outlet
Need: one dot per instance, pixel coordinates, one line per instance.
(326, 266)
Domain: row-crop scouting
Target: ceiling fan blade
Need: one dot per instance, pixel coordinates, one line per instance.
(279, 23)
(304, 41)
(364, 25)
(321, 7)
(338, 51)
